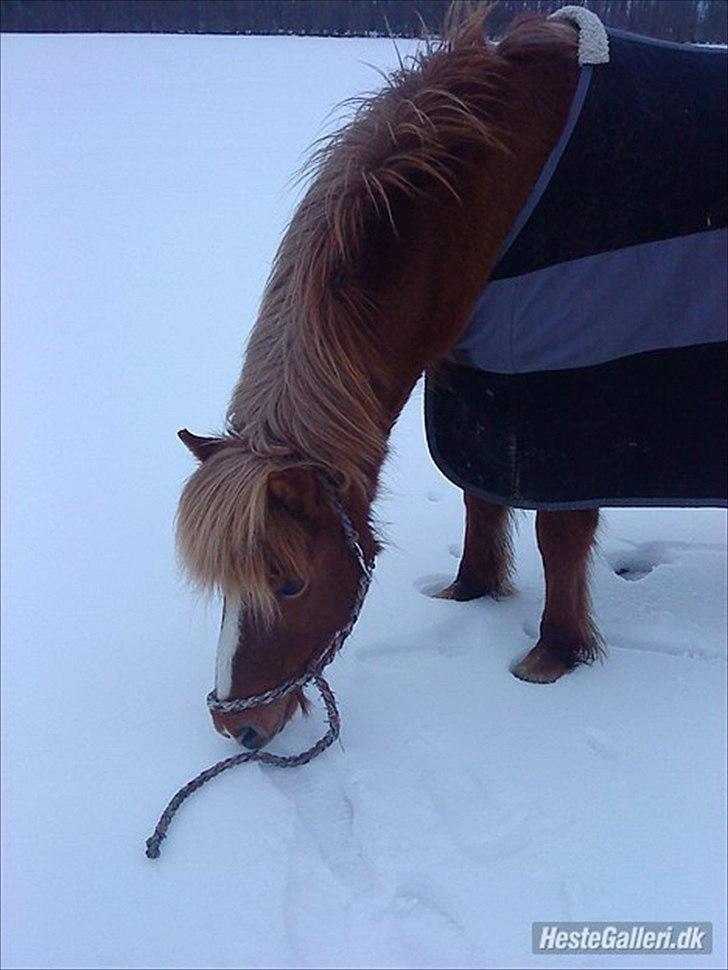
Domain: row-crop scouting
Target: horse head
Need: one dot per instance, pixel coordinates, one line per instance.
(272, 537)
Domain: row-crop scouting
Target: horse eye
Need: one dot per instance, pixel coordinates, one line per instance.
(293, 588)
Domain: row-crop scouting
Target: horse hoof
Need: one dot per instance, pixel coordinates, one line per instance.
(462, 592)
(458, 591)
(540, 666)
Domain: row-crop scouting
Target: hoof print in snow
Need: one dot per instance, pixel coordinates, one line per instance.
(600, 742)
(634, 570)
(643, 560)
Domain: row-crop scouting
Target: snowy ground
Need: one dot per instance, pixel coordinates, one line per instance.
(144, 192)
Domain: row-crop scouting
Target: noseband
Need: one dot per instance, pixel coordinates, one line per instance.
(312, 672)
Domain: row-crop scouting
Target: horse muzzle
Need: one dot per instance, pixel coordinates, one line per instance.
(257, 726)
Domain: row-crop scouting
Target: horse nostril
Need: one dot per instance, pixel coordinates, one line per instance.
(249, 737)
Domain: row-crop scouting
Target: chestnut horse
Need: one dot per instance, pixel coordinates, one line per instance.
(374, 281)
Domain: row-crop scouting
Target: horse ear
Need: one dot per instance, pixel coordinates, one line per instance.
(296, 489)
(201, 448)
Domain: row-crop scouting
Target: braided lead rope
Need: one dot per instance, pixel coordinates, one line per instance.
(313, 672)
(280, 761)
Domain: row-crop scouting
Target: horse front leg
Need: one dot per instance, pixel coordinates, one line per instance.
(487, 560)
(568, 635)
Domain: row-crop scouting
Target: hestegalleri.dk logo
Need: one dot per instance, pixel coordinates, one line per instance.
(622, 938)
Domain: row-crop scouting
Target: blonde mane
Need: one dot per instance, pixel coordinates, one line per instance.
(309, 394)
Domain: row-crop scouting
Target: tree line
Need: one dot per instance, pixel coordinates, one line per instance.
(697, 21)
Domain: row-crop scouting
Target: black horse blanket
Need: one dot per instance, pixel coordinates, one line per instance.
(593, 369)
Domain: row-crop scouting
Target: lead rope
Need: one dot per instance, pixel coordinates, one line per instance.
(314, 674)
(280, 761)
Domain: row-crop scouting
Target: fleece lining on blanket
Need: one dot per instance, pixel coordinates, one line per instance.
(592, 371)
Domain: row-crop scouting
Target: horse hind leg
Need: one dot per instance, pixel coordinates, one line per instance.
(487, 560)
(568, 636)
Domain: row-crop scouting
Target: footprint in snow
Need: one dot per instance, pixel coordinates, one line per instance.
(483, 827)
(433, 497)
(424, 928)
(453, 636)
(325, 813)
(688, 651)
(450, 638)
(396, 646)
(642, 560)
(601, 742)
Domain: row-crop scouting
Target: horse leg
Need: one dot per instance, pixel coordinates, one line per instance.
(485, 567)
(568, 636)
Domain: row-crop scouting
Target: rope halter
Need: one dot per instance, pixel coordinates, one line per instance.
(312, 672)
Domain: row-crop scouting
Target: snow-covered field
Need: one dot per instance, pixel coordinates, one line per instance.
(144, 191)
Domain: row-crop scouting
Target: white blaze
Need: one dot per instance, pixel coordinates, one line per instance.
(226, 647)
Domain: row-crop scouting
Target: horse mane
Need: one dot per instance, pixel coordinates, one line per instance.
(309, 394)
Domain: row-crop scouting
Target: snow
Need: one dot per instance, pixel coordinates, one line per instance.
(145, 189)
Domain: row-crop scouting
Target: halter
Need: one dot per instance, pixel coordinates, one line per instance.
(313, 672)
(324, 658)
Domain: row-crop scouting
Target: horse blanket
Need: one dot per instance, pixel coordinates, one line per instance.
(593, 369)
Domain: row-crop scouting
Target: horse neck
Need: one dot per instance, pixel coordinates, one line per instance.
(428, 278)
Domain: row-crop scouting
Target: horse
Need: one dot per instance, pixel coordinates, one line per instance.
(375, 279)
